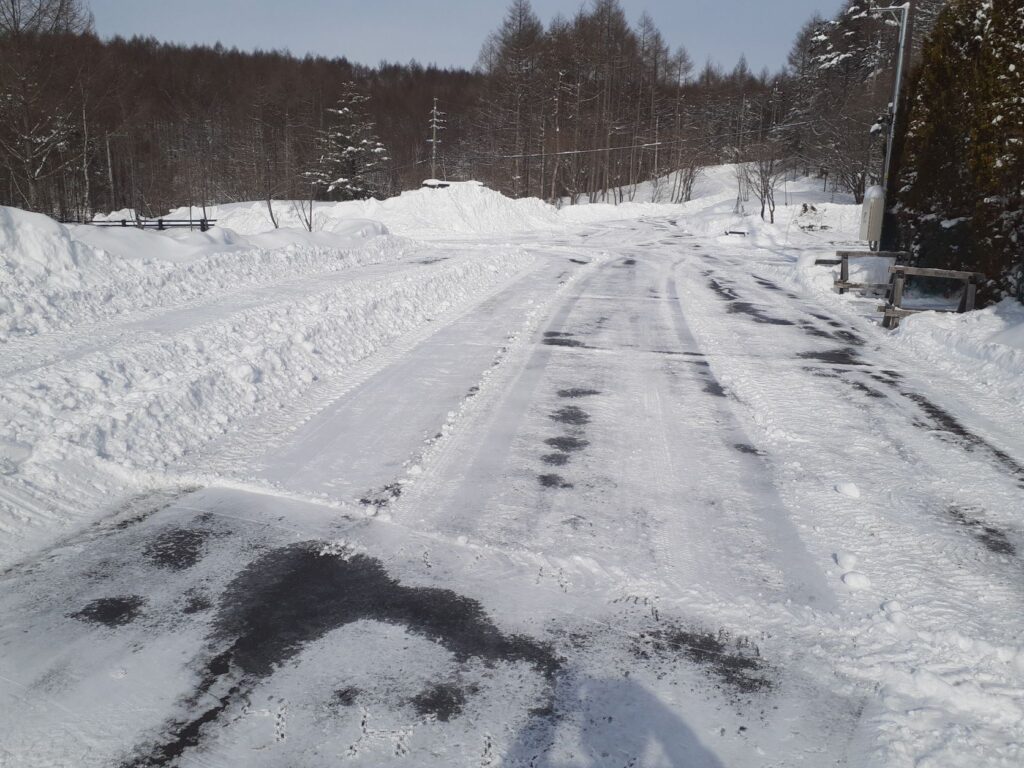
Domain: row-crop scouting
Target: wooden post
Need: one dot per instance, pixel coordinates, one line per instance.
(970, 295)
(160, 224)
(844, 272)
(896, 301)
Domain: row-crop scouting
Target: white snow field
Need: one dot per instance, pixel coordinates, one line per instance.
(464, 481)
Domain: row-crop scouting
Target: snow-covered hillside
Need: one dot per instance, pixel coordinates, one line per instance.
(463, 480)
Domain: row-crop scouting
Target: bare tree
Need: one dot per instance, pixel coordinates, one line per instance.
(20, 17)
(763, 172)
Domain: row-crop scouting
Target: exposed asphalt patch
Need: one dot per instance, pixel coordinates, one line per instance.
(443, 701)
(575, 393)
(196, 601)
(183, 734)
(994, 539)
(814, 330)
(345, 697)
(767, 284)
(570, 414)
(555, 459)
(737, 663)
(869, 391)
(553, 481)
(747, 448)
(112, 611)
(384, 496)
(728, 294)
(849, 337)
(554, 339)
(567, 444)
(295, 595)
(947, 422)
(629, 262)
(846, 356)
(714, 388)
(178, 548)
(579, 261)
(746, 308)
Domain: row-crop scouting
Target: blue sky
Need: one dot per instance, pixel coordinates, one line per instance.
(448, 32)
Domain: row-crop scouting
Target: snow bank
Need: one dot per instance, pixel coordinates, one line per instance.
(986, 346)
(55, 277)
(463, 208)
(37, 252)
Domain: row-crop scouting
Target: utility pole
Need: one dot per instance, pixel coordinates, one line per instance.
(905, 15)
(436, 125)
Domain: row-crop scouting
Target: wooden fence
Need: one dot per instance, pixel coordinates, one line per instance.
(202, 225)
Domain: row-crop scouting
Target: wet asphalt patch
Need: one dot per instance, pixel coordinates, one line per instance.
(713, 387)
(767, 284)
(178, 548)
(560, 339)
(629, 262)
(567, 444)
(345, 697)
(443, 701)
(570, 414)
(948, 423)
(577, 393)
(845, 356)
(758, 314)
(747, 448)
(869, 391)
(727, 294)
(384, 496)
(993, 539)
(736, 663)
(579, 261)
(111, 611)
(196, 601)
(814, 330)
(295, 595)
(553, 480)
(555, 459)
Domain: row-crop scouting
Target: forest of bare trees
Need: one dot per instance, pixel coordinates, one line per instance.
(588, 107)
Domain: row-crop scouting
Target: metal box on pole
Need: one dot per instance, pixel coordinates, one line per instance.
(871, 214)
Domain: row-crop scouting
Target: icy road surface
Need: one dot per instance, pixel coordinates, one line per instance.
(639, 502)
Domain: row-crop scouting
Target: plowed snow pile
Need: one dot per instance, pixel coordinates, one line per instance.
(464, 208)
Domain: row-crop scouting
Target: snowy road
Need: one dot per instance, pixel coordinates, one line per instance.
(639, 502)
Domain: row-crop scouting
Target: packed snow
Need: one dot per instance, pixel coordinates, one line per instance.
(462, 480)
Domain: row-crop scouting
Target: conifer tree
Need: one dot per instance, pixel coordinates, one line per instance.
(961, 195)
(349, 155)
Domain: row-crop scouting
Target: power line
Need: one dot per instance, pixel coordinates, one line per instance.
(648, 145)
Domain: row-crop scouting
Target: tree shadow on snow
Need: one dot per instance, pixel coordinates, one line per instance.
(603, 722)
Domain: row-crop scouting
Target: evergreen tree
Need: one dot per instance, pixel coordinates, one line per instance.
(961, 194)
(350, 158)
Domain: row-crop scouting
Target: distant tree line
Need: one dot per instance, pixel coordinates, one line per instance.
(588, 107)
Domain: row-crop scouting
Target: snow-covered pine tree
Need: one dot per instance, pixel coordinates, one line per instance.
(961, 195)
(350, 158)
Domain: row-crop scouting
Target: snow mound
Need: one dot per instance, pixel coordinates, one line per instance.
(54, 277)
(37, 251)
(462, 208)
